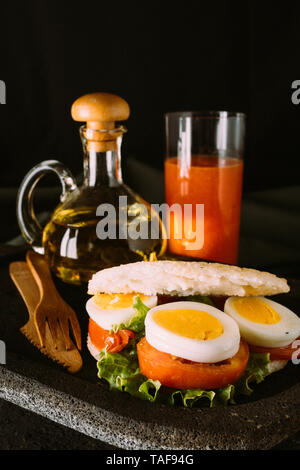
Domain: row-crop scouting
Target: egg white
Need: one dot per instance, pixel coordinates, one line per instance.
(214, 350)
(273, 335)
(108, 318)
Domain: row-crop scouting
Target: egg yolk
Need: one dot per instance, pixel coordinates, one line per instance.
(114, 301)
(256, 310)
(189, 323)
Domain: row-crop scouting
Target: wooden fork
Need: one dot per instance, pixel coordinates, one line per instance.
(26, 285)
(51, 307)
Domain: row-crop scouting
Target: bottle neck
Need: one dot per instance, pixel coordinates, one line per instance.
(102, 163)
(102, 168)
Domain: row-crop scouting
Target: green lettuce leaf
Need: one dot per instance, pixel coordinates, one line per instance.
(203, 299)
(121, 371)
(189, 398)
(137, 322)
(118, 367)
(257, 369)
(149, 389)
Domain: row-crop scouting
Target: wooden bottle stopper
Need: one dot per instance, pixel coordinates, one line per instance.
(100, 111)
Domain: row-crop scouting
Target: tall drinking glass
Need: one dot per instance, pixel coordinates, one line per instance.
(203, 183)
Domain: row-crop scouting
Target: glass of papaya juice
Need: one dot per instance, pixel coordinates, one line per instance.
(203, 183)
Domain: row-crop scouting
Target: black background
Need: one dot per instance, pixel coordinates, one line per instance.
(159, 56)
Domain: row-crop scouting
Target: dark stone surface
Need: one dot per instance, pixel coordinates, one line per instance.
(270, 416)
(269, 240)
(23, 430)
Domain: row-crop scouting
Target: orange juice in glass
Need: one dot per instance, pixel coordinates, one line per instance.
(203, 179)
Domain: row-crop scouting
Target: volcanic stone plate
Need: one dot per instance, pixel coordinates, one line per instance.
(84, 403)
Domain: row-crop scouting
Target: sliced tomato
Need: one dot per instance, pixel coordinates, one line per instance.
(175, 372)
(113, 342)
(284, 353)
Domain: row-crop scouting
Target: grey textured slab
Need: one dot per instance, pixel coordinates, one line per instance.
(25, 430)
(128, 423)
(84, 403)
(79, 415)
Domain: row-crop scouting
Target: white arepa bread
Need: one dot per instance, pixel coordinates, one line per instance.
(182, 278)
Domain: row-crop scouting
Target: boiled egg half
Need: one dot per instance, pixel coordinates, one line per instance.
(194, 331)
(108, 310)
(263, 322)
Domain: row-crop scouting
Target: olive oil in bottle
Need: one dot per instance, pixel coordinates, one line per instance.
(75, 241)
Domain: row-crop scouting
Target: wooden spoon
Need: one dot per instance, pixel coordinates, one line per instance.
(26, 285)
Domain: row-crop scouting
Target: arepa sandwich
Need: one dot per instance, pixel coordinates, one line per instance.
(178, 331)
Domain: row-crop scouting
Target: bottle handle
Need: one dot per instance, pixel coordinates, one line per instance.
(28, 223)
